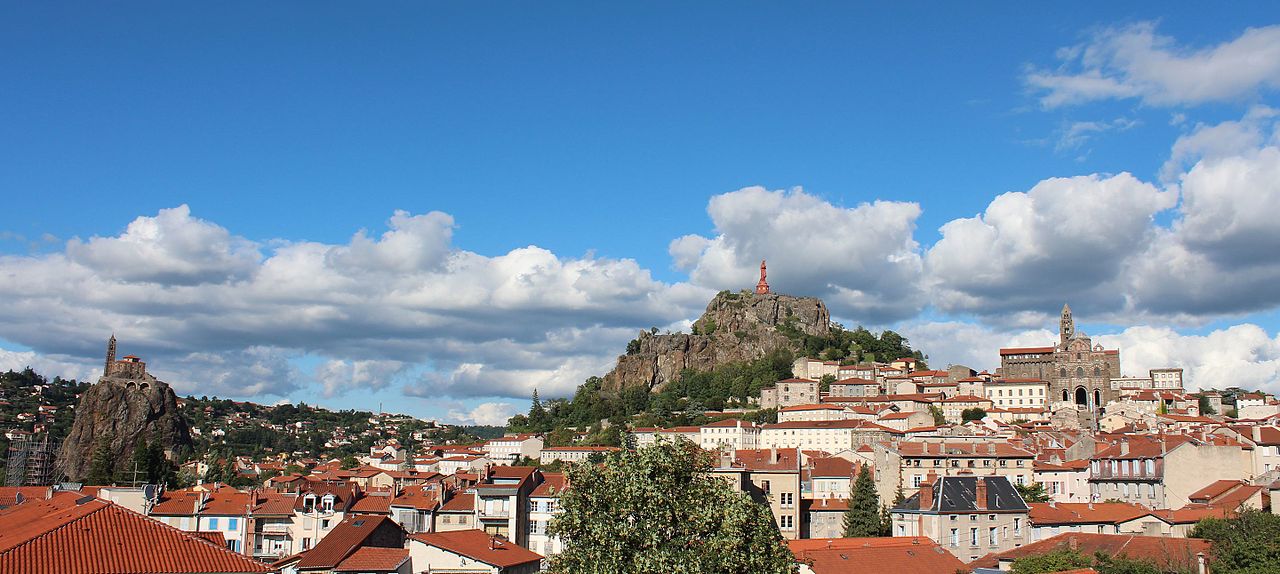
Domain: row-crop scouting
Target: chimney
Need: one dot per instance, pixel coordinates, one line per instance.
(1257, 433)
(773, 455)
(1074, 542)
(1202, 563)
(980, 493)
(1124, 447)
(926, 491)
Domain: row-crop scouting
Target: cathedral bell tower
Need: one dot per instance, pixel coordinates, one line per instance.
(1067, 326)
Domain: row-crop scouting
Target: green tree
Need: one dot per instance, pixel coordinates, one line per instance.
(1033, 492)
(1246, 544)
(1205, 407)
(349, 461)
(824, 384)
(973, 414)
(539, 421)
(660, 510)
(1056, 561)
(863, 517)
(939, 419)
(102, 470)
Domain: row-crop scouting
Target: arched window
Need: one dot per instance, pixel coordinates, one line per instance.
(1097, 372)
(1065, 396)
(1063, 372)
(1080, 372)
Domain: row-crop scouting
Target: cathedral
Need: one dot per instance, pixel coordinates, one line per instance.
(1077, 371)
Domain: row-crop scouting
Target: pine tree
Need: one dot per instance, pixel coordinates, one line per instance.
(863, 517)
(538, 420)
(103, 469)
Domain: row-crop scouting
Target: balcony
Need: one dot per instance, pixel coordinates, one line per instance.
(1106, 475)
(275, 528)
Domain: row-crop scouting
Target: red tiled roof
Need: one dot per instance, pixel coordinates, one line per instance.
(477, 545)
(344, 539)
(416, 497)
(11, 495)
(840, 424)
(70, 534)
(552, 484)
(824, 504)
(762, 459)
(906, 555)
(374, 559)
(1165, 552)
(796, 408)
(1025, 350)
(465, 502)
(1045, 514)
(373, 503)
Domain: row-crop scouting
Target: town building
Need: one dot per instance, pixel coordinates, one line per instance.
(1021, 393)
(789, 392)
(970, 516)
(772, 478)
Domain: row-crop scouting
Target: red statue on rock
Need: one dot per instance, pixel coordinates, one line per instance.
(762, 288)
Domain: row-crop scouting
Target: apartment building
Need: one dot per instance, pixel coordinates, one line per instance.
(771, 477)
(647, 436)
(969, 516)
(944, 457)
(954, 407)
(1005, 393)
(789, 392)
(573, 453)
(855, 387)
(731, 434)
(544, 504)
(828, 436)
(501, 501)
(819, 412)
(1163, 471)
(1064, 481)
(512, 447)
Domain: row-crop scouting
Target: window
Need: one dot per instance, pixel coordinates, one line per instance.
(327, 503)
(1151, 466)
(324, 523)
(309, 503)
(973, 537)
(233, 524)
(786, 498)
(955, 537)
(1017, 527)
(915, 481)
(973, 518)
(764, 485)
(786, 521)
(213, 524)
(993, 537)
(446, 519)
(1079, 372)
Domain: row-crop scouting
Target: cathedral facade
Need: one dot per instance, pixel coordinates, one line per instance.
(1077, 371)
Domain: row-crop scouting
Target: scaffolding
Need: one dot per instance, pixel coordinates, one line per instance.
(31, 462)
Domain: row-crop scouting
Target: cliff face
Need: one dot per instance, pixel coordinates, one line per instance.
(735, 327)
(125, 411)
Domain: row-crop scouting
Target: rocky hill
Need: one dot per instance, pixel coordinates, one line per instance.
(736, 327)
(123, 412)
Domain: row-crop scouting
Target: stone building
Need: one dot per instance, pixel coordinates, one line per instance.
(1077, 371)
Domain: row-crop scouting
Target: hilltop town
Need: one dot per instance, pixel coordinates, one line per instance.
(1057, 450)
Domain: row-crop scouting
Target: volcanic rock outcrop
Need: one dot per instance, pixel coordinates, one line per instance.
(736, 327)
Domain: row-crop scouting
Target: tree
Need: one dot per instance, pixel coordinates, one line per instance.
(102, 470)
(537, 414)
(660, 510)
(973, 414)
(863, 517)
(824, 384)
(349, 461)
(1205, 407)
(1248, 543)
(1056, 561)
(1033, 492)
(939, 419)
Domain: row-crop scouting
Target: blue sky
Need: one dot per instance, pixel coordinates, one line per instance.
(601, 133)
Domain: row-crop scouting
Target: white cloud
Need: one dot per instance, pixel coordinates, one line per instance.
(864, 260)
(495, 414)
(1242, 355)
(1075, 134)
(215, 314)
(65, 367)
(338, 377)
(1135, 62)
(1064, 239)
(172, 248)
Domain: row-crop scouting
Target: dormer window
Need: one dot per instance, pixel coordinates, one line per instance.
(327, 503)
(309, 503)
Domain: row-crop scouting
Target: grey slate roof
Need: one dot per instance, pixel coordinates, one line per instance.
(957, 494)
